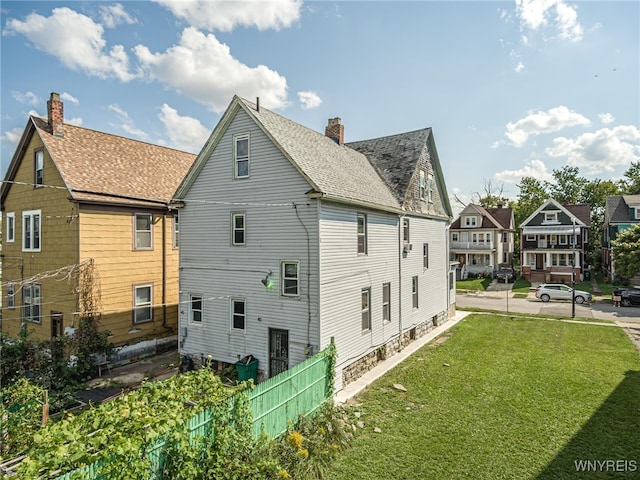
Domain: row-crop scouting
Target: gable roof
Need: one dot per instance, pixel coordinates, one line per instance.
(100, 167)
(581, 212)
(497, 218)
(617, 208)
(336, 172)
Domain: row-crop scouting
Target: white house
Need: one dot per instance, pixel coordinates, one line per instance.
(289, 238)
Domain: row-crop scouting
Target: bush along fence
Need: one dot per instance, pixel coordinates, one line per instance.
(165, 428)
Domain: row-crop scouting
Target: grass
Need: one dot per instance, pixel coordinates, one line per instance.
(480, 284)
(540, 316)
(503, 398)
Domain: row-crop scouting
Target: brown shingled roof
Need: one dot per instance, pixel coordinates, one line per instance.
(102, 167)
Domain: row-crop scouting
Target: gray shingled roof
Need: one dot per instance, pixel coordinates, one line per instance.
(491, 217)
(335, 170)
(101, 167)
(395, 157)
(617, 207)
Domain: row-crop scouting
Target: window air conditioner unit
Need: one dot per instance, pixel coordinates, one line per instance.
(407, 247)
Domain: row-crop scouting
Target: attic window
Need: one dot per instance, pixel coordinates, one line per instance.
(38, 175)
(470, 221)
(430, 188)
(241, 156)
(423, 184)
(550, 217)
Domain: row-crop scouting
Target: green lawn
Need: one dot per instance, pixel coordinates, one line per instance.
(473, 284)
(503, 398)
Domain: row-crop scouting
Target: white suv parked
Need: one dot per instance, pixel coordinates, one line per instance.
(560, 291)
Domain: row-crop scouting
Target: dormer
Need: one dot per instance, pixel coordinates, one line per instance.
(550, 217)
(471, 221)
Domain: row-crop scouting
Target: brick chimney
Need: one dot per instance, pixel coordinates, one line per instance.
(335, 130)
(55, 115)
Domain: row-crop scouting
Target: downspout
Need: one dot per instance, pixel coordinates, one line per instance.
(400, 281)
(306, 231)
(164, 271)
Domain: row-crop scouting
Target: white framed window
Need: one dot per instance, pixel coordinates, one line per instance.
(142, 303)
(241, 156)
(10, 237)
(470, 221)
(414, 291)
(505, 237)
(238, 229)
(38, 170)
(31, 302)
(425, 255)
(635, 213)
(386, 302)
(142, 231)
(290, 278)
(366, 309)
(11, 295)
(562, 239)
(176, 231)
(550, 217)
(554, 239)
(454, 236)
(31, 223)
(531, 238)
(423, 185)
(405, 231)
(195, 308)
(430, 188)
(452, 281)
(238, 314)
(362, 233)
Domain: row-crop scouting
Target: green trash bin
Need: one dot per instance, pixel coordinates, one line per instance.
(247, 368)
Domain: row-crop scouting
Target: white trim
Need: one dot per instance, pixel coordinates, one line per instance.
(191, 310)
(236, 138)
(11, 221)
(235, 215)
(232, 302)
(136, 231)
(144, 305)
(29, 216)
(283, 278)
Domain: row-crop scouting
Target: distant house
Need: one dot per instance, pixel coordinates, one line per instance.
(482, 239)
(87, 228)
(621, 212)
(551, 238)
(291, 238)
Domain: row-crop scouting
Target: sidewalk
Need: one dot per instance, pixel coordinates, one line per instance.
(383, 367)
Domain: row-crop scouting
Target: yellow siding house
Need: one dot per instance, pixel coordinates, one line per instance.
(87, 229)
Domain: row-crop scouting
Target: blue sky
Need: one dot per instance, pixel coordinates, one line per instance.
(509, 88)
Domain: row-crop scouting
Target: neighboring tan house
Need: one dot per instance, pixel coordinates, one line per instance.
(621, 212)
(551, 238)
(87, 228)
(291, 238)
(482, 239)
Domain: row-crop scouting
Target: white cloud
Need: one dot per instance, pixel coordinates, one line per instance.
(539, 14)
(76, 40)
(67, 97)
(533, 168)
(114, 15)
(600, 151)
(185, 133)
(309, 100)
(13, 136)
(29, 98)
(224, 15)
(74, 121)
(606, 118)
(540, 122)
(126, 123)
(202, 68)
(519, 68)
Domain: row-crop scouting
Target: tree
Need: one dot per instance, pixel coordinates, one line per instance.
(626, 252)
(569, 186)
(532, 195)
(631, 184)
(595, 194)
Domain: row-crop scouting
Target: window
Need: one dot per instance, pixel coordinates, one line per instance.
(241, 156)
(290, 278)
(142, 301)
(550, 217)
(553, 240)
(11, 227)
(362, 233)
(38, 171)
(451, 281)
(386, 302)
(176, 231)
(31, 231)
(505, 237)
(142, 231)
(366, 311)
(31, 303)
(405, 230)
(425, 255)
(195, 308)
(238, 313)
(423, 185)
(562, 240)
(430, 187)
(531, 238)
(454, 237)
(414, 291)
(238, 229)
(470, 221)
(11, 295)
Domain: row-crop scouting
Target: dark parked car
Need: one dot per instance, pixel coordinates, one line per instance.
(628, 296)
(506, 275)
